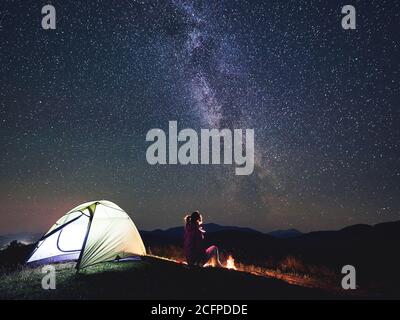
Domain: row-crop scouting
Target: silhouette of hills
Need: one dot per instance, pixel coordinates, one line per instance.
(285, 234)
(22, 237)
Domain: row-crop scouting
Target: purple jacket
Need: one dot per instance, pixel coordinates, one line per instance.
(193, 243)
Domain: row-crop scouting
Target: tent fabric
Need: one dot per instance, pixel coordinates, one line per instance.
(67, 241)
(90, 233)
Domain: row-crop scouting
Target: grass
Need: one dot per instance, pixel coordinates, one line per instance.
(150, 278)
(26, 283)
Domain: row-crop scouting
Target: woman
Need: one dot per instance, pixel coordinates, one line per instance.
(194, 243)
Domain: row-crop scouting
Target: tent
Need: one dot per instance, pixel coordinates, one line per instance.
(93, 232)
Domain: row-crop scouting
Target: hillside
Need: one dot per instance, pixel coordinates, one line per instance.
(151, 278)
(372, 250)
(312, 260)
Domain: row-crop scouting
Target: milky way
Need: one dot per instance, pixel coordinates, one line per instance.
(76, 104)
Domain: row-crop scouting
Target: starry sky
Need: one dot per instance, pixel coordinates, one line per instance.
(76, 104)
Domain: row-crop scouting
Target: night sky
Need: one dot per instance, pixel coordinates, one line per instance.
(76, 104)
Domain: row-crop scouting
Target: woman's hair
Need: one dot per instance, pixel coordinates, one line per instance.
(194, 218)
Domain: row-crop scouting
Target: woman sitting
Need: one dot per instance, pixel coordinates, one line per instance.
(194, 243)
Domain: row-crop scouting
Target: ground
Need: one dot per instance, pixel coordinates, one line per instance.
(151, 278)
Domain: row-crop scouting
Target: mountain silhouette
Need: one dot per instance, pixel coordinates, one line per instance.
(285, 234)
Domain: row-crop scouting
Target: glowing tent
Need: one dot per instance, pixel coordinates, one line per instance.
(92, 232)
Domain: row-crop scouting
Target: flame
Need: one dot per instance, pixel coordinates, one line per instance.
(211, 263)
(230, 263)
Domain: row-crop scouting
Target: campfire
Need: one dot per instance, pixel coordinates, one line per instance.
(230, 263)
(211, 263)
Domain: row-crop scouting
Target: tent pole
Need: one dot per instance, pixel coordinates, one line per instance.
(86, 237)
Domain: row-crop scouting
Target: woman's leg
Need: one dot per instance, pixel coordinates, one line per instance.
(212, 252)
